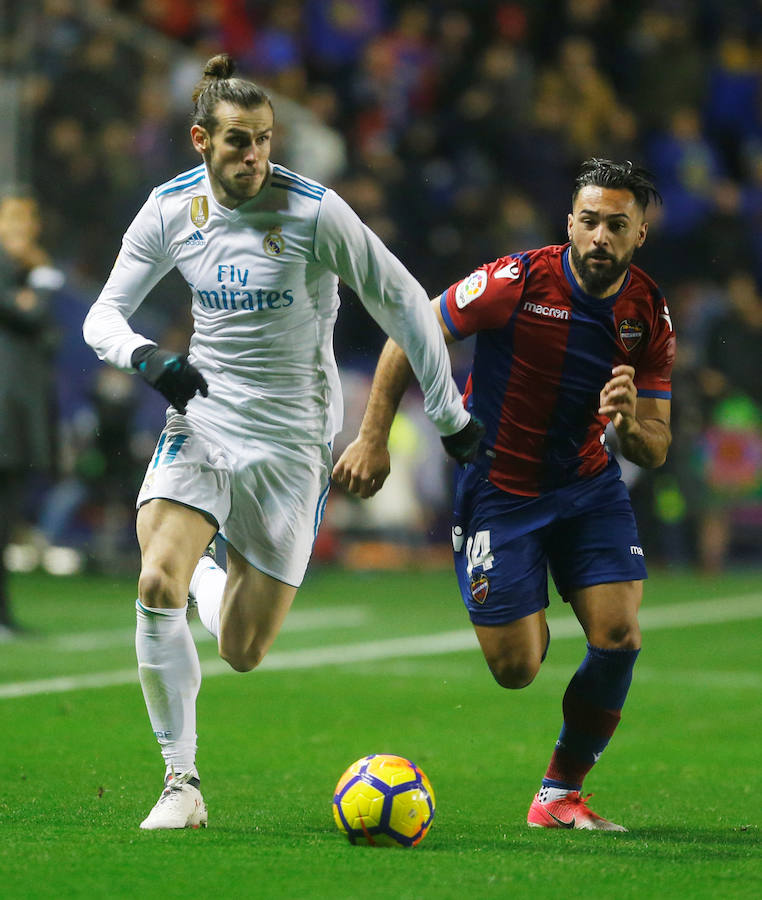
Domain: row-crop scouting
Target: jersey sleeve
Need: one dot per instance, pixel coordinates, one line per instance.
(396, 301)
(486, 298)
(140, 265)
(653, 374)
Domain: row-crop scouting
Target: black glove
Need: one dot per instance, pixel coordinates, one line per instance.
(170, 373)
(462, 445)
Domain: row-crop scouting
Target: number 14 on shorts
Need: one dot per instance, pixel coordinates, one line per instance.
(478, 552)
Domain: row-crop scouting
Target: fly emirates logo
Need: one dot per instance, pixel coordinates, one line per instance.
(233, 292)
(550, 312)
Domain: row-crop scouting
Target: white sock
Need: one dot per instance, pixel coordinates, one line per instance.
(206, 587)
(549, 794)
(170, 676)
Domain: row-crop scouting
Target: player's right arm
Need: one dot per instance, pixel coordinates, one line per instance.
(140, 265)
(483, 300)
(364, 466)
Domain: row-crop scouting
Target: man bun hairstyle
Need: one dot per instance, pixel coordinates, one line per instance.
(217, 85)
(607, 174)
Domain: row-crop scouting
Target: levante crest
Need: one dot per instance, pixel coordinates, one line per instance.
(480, 589)
(630, 333)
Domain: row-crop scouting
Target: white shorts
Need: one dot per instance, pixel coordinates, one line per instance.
(267, 499)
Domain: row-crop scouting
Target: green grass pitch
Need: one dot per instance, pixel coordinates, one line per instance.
(379, 662)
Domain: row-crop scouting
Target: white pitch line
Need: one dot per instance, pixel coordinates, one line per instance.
(711, 679)
(702, 612)
(728, 609)
(298, 620)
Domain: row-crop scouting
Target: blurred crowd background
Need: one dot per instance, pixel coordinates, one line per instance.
(455, 130)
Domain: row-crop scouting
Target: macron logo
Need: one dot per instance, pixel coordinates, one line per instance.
(551, 312)
(196, 239)
(636, 551)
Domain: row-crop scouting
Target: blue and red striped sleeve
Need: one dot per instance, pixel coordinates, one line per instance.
(486, 298)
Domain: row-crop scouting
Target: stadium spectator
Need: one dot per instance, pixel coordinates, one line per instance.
(518, 223)
(733, 96)
(567, 339)
(583, 94)
(690, 165)
(27, 337)
(277, 44)
(336, 34)
(731, 444)
(664, 61)
(96, 85)
(176, 18)
(750, 202)
(262, 249)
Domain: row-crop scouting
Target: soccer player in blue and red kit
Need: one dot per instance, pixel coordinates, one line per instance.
(568, 338)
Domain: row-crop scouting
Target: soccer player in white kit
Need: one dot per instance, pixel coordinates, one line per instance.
(255, 404)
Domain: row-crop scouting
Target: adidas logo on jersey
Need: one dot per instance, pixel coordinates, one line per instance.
(196, 239)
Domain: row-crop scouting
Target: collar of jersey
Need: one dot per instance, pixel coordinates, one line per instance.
(582, 296)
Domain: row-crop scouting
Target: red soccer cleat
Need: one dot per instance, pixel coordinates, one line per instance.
(570, 811)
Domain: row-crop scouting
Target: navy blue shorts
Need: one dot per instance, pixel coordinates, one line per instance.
(504, 543)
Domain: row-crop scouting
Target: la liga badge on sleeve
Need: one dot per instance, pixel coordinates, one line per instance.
(470, 288)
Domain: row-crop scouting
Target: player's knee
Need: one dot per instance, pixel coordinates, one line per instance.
(514, 674)
(242, 659)
(620, 636)
(157, 589)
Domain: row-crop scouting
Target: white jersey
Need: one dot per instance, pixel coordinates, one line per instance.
(264, 285)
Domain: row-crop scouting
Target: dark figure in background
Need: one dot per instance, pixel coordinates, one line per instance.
(26, 341)
(731, 442)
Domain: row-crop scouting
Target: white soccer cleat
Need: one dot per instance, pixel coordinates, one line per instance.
(180, 805)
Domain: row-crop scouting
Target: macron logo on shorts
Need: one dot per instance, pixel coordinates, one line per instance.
(635, 550)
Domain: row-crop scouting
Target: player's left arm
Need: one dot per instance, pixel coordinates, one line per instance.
(642, 423)
(397, 302)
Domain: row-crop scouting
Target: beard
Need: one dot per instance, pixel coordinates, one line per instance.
(237, 190)
(596, 280)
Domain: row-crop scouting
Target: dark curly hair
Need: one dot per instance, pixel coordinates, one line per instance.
(608, 174)
(218, 85)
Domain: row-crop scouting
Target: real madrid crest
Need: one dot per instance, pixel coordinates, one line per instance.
(199, 210)
(630, 333)
(480, 589)
(273, 242)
